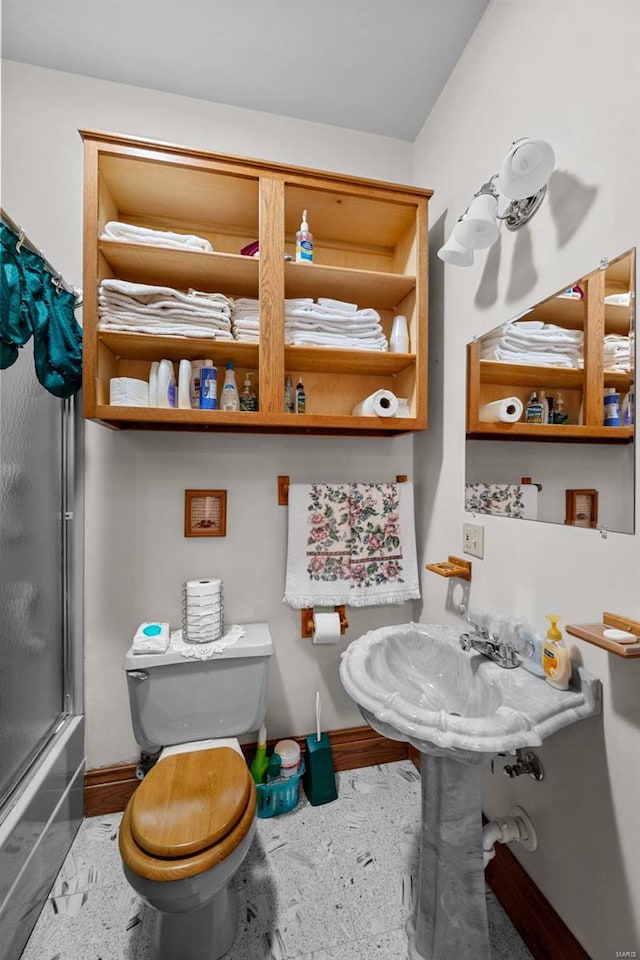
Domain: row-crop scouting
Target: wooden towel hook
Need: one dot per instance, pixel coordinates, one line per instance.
(283, 490)
(307, 625)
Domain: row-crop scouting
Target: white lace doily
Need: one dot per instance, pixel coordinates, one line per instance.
(205, 651)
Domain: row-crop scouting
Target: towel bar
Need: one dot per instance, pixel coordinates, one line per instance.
(283, 491)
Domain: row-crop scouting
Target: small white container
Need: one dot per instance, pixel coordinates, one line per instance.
(289, 753)
(399, 340)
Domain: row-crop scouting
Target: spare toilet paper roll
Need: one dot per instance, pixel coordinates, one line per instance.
(382, 403)
(504, 411)
(203, 588)
(128, 392)
(326, 627)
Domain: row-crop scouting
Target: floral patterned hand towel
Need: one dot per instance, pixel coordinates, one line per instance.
(503, 499)
(351, 543)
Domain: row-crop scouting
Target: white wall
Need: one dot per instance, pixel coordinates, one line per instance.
(567, 72)
(136, 555)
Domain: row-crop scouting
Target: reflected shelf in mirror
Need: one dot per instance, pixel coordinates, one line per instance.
(557, 362)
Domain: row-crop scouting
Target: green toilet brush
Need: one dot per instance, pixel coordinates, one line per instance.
(319, 778)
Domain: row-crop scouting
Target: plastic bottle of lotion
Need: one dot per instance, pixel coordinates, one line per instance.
(208, 388)
(184, 385)
(153, 384)
(555, 657)
(229, 399)
(304, 242)
(166, 384)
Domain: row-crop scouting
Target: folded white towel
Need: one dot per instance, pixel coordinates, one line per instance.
(530, 357)
(320, 339)
(115, 230)
(165, 329)
(619, 299)
(338, 304)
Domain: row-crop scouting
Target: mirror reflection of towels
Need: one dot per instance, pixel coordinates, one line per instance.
(516, 500)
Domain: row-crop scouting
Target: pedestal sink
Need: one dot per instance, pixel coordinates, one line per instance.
(459, 709)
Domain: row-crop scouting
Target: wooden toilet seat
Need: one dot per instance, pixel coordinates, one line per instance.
(188, 814)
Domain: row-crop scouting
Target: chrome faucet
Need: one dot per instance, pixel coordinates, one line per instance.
(489, 645)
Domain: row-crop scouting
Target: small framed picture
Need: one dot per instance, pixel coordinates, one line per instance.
(581, 508)
(205, 513)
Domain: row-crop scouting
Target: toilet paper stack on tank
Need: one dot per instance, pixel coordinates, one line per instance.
(202, 611)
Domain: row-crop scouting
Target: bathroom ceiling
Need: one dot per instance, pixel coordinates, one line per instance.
(371, 65)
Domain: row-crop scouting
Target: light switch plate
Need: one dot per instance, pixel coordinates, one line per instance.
(473, 539)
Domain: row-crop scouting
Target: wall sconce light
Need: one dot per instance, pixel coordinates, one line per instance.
(521, 182)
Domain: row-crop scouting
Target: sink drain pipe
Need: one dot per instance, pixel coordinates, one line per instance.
(514, 829)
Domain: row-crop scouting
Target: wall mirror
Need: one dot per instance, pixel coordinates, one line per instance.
(550, 407)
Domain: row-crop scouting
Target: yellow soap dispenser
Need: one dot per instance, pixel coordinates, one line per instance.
(556, 662)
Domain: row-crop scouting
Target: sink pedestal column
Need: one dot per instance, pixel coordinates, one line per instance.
(449, 920)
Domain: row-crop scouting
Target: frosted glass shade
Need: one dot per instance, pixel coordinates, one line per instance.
(528, 166)
(479, 227)
(453, 252)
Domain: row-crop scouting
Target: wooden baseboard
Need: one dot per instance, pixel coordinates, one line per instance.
(108, 789)
(543, 932)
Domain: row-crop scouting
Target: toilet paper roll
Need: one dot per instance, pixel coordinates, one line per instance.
(128, 392)
(504, 411)
(382, 403)
(203, 588)
(326, 627)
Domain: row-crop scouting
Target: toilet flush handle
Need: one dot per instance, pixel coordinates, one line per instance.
(139, 674)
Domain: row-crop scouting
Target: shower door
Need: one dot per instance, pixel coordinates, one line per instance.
(34, 693)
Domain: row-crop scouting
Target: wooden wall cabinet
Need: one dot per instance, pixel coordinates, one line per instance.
(370, 248)
(489, 380)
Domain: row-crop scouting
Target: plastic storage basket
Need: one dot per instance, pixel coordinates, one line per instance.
(279, 796)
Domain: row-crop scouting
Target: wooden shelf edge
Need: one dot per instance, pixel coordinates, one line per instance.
(593, 633)
(162, 418)
(572, 433)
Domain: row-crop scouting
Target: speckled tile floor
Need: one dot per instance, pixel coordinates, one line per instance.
(321, 883)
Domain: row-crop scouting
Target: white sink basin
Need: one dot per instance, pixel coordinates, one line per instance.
(413, 682)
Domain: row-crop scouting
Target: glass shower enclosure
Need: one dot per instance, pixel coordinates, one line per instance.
(41, 726)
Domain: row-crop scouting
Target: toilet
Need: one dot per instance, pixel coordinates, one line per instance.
(189, 825)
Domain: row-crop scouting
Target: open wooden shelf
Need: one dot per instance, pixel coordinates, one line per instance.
(230, 273)
(551, 432)
(370, 248)
(593, 633)
(241, 422)
(367, 288)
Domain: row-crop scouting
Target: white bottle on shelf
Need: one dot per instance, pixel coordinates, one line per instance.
(184, 385)
(166, 384)
(229, 399)
(399, 340)
(153, 384)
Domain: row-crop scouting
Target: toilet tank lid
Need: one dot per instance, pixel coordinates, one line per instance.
(256, 642)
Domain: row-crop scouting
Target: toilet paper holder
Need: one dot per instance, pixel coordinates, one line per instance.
(307, 625)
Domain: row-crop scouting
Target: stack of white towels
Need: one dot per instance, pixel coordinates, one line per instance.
(617, 353)
(332, 323)
(144, 308)
(245, 319)
(115, 230)
(534, 342)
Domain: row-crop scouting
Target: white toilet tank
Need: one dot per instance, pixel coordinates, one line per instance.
(175, 699)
